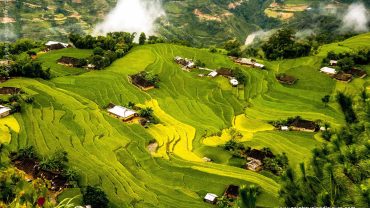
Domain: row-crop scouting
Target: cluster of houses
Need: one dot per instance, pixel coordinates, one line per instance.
(225, 73)
(342, 76)
(248, 62)
(187, 64)
(231, 192)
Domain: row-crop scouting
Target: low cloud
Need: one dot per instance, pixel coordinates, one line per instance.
(132, 16)
(257, 36)
(356, 18)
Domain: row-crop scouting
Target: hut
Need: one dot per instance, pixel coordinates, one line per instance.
(9, 90)
(211, 198)
(303, 125)
(328, 70)
(4, 111)
(54, 45)
(343, 77)
(286, 79)
(253, 164)
(122, 112)
(232, 192)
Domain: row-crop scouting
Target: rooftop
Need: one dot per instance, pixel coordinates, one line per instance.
(121, 111)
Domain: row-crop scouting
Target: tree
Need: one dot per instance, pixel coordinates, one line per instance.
(248, 196)
(142, 38)
(95, 197)
(346, 63)
(146, 112)
(325, 100)
(98, 51)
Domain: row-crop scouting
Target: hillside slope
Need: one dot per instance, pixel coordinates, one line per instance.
(68, 113)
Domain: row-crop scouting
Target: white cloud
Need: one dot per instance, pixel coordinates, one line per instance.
(132, 16)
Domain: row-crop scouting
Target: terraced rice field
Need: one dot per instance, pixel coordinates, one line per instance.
(68, 113)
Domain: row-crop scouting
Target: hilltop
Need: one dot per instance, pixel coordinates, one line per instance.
(195, 115)
(194, 22)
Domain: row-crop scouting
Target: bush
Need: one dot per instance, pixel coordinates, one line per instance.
(95, 197)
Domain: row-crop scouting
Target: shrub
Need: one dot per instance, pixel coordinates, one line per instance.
(95, 197)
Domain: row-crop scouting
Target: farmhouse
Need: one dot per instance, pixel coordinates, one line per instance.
(186, 63)
(54, 45)
(303, 125)
(232, 192)
(211, 198)
(284, 128)
(71, 61)
(225, 72)
(343, 77)
(249, 62)
(122, 112)
(140, 81)
(234, 82)
(333, 62)
(286, 79)
(9, 90)
(245, 61)
(4, 111)
(357, 72)
(258, 65)
(213, 74)
(328, 70)
(253, 164)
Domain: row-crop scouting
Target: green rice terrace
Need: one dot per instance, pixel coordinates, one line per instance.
(195, 117)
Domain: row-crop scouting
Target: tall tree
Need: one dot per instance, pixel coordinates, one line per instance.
(142, 38)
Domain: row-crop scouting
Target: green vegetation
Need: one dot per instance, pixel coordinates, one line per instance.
(68, 113)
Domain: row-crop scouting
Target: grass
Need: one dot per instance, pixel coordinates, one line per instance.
(68, 113)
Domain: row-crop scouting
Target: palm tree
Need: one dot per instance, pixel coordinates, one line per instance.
(248, 196)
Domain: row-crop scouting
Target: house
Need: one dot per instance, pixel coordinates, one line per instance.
(211, 198)
(186, 63)
(286, 79)
(71, 61)
(206, 159)
(303, 125)
(284, 128)
(9, 90)
(245, 61)
(225, 72)
(140, 81)
(357, 72)
(232, 192)
(328, 70)
(4, 111)
(343, 77)
(333, 62)
(234, 82)
(253, 164)
(258, 65)
(213, 74)
(122, 112)
(54, 45)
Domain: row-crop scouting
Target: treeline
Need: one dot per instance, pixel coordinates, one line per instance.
(24, 66)
(284, 44)
(18, 47)
(338, 172)
(346, 60)
(106, 49)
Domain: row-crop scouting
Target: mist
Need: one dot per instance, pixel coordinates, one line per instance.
(356, 18)
(257, 36)
(132, 16)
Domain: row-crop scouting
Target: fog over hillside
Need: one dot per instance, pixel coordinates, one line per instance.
(132, 16)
